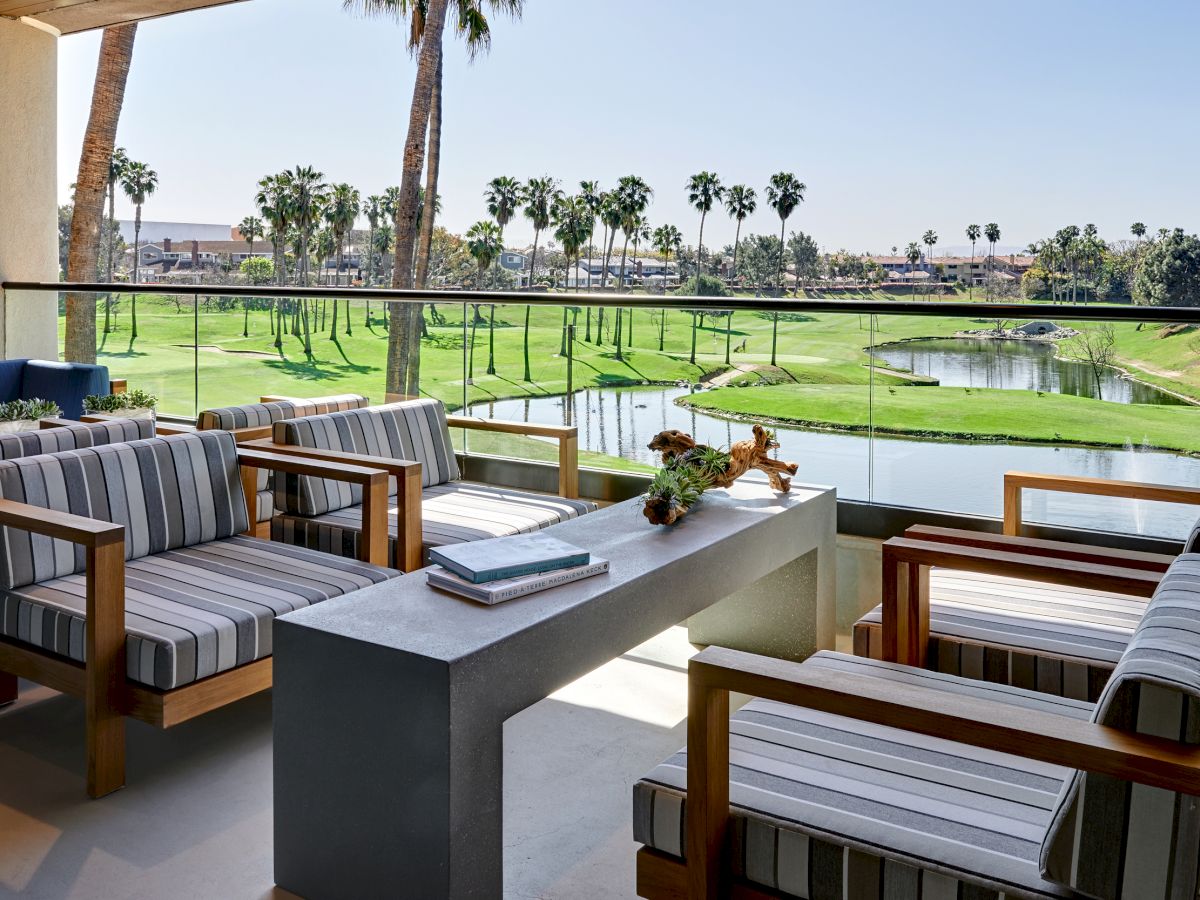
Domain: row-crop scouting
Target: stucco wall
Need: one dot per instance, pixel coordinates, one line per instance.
(28, 190)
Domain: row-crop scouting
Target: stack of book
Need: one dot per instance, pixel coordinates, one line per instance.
(500, 569)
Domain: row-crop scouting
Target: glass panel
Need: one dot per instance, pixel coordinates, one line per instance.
(158, 357)
(960, 402)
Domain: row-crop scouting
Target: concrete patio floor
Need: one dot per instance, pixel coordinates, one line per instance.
(195, 818)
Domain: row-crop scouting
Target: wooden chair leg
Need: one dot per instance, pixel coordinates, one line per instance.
(8, 688)
(105, 669)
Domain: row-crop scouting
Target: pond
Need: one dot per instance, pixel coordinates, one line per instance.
(920, 473)
(1016, 365)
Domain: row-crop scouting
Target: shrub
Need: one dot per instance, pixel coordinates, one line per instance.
(708, 286)
(16, 410)
(104, 403)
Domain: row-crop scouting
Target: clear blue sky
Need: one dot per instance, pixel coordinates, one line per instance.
(898, 116)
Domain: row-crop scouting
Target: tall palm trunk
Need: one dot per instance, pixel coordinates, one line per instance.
(728, 335)
(404, 342)
(95, 161)
(971, 275)
(491, 369)
(692, 358)
(621, 287)
(432, 162)
(137, 258)
(112, 240)
(533, 260)
(700, 252)
(778, 292)
(737, 236)
(527, 378)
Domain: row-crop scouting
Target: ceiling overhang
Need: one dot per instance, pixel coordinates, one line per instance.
(71, 16)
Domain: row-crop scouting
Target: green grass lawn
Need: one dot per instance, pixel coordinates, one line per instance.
(822, 371)
(972, 413)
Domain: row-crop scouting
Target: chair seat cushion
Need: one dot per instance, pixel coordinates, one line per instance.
(854, 809)
(189, 612)
(1045, 637)
(451, 513)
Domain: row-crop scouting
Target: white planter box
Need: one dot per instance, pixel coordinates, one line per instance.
(144, 413)
(14, 426)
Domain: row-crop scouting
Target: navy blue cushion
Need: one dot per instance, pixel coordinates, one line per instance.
(11, 371)
(64, 383)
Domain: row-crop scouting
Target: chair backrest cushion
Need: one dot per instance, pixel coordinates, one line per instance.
(168, 492)
(1111, 838)
(413, 430)
(260, 415)
(63, 382)
(1192, 543)
(74, 437)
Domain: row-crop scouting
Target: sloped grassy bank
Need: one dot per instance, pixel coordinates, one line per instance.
(956, 413)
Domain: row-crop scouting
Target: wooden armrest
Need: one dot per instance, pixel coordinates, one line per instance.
(62, 525)
(1132, 559)
(1016, 482)
(410, 554)
(398, 468)
(568, 444)
(505, 426)
(58, 422)
(906, 565)
(1030, 734)
(104, 637)
(374, 482)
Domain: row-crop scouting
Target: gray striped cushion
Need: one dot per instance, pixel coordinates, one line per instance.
(73, 437)
(168, 492)
(1192, 544)
(825, 806)
(259, 415)
(411, 430)
(189, 612)
(1049, 638)
(450, 514)
(263, 414)
(1111, 838)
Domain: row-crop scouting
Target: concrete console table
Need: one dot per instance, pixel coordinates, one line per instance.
(389, 704)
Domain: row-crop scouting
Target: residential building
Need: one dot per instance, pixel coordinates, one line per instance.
(170, 254)
(154, 232)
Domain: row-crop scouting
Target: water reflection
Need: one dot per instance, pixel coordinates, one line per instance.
(961, 477)
(1015, 365)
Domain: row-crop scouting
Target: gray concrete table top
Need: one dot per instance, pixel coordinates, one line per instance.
(401, 671)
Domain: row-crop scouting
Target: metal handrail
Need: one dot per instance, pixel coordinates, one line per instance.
(950, 308)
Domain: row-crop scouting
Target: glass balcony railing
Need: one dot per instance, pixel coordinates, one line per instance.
(896, 403)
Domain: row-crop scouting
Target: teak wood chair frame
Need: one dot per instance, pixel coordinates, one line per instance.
(716, 671)
(108, 695)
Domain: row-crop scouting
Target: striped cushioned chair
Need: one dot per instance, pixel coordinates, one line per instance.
(324, 515)
(1045, 637)
(826, 806)
(74, 436)
(254, 420)
(838, 805)
(1113, 839)
(198, 598)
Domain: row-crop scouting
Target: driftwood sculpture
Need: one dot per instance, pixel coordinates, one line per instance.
(690, 468)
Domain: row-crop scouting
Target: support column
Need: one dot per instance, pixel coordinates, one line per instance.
(28, 188)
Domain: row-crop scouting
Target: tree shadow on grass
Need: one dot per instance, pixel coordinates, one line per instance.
(317, 371)
(783, 316)
(350, 366)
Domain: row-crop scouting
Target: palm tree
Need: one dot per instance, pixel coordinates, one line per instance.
(273, 202)
(95, 166)
(138, 183)
(913, 253)
(589, 195)
(116, 168)
(539, 197)
(666, 239)
(641, 233)
(1138, 230)
(631, 198)
(991, 231)
(251, 229)
(309, 195)
(784, 193)
(929, 238)
(704, 189)
(572, 219)
(740, 201)
(973, 233)
(373, 209)
(344, 205)
(484, 243)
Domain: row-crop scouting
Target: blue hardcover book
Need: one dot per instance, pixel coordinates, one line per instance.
(508, 557)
